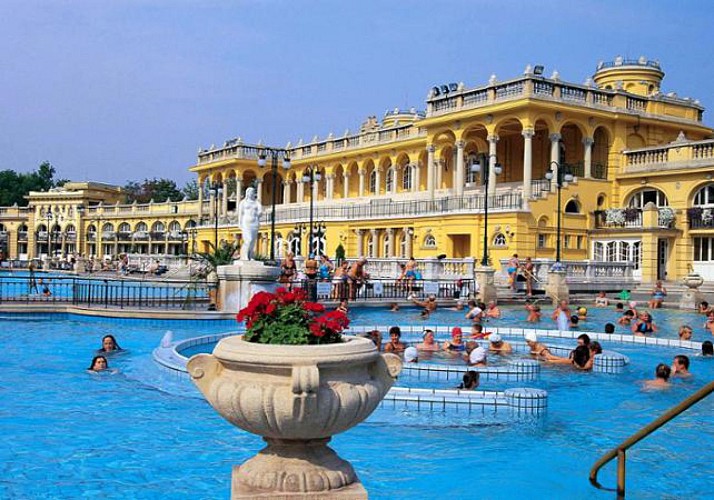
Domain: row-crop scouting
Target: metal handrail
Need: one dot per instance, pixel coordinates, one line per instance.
(621, 449)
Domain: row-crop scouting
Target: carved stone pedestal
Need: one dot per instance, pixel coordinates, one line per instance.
(557, 288)
(691, 297)
(243, 279)
(487, 290)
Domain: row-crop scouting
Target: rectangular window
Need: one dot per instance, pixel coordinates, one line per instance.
(541, 241)
(579, 242)
(566, 241)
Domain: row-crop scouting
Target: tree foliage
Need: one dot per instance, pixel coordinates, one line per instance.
(15, 186)
(158, 190)
(190, 190)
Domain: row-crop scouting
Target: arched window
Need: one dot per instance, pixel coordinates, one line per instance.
(294, 245)
(429, 241)
(385, 245)
(91, 228)
(389, 181)
(471, 176)
(403, 246)
(371, 246)
(141, 227)
(407, 178)
(2, 228)
(191, 224)
(124, 227)
(644, 196)
(572, 207)
(70, 229)
(108, 227)
(158, 227)
(499, 240)
(175, 227)
(704, 197)
(373, 182)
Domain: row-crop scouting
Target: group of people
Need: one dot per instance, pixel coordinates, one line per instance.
(100, 361)
(514, 267)
(347, 279)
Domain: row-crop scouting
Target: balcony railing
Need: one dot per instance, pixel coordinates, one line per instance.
(632, 218)
(700, 218)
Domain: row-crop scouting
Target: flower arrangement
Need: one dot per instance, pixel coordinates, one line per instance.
(666, 216)
(286, 317)
(615, 216)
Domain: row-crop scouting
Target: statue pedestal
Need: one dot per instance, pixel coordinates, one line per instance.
(557, 288)
(692, 297)
(243, 279)
(487, 290)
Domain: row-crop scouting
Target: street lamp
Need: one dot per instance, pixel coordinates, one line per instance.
(216, 191)
(476, 167)
(56, 218)
(311, 175)
(275, 154)
(562, 175)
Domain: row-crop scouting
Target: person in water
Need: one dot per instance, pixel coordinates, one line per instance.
(475, 354)
(470, 381)
(707, 348)
(680, 366)
(99, 364)
(685, 332)
(661, 380)
(562, 315)
(498, 346)
(109, 344)
(411, 355)
(456, 343)
(428, 343)
(644, 325)
(534, 312)
(395, 343)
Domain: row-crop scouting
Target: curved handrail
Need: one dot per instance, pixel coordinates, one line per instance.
(619, 450)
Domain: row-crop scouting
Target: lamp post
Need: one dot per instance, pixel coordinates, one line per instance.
(562, 175)
(275, 154)
(476, 167)
(311, 175)
(216, 190)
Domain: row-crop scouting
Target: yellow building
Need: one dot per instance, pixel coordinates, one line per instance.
(407, 185)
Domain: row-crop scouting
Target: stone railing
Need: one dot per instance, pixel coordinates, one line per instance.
(675, 155)
(431, 269)
(581, 275)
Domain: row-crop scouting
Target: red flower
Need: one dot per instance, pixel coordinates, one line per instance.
(314, 307)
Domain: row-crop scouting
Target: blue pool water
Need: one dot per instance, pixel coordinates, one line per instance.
(143, 433)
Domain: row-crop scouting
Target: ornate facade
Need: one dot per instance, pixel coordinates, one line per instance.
(406, 185)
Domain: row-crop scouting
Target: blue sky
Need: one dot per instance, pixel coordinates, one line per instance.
(116, 90)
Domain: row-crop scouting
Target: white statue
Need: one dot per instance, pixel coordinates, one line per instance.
(249, 210)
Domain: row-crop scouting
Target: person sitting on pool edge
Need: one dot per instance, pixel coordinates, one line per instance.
(659, 292)
(109, 344)
(99, 364)
(498, 346)
(661, 380)
(470, 381)
(428, 343)
(475, 354)
(395, 344)
(601, 300)
(680, 366)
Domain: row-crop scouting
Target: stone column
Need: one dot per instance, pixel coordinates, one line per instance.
(360, 242)
(410, 242)
(346, 185)
(259, 189)
(554, 159)
(483, 276)
(315, 190)
(394, 180)
(239, 190)
(200, 197)
(375, 242)
(390, 242)
(361, 183)
(588, 157)
(330, 188)
(492, 142)
(377, 181)
(211, 203)
(527, 164)
(300, 190)
(224, 199)
(430, 170)
(286, 191)
(416, 171)
(460, 174)
(557, 287)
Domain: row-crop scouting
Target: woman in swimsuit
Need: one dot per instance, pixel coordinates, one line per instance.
(456, 343)
(287, 268)
(643, 325)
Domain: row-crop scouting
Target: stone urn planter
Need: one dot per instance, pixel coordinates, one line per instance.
(692, 297)
(296, 397)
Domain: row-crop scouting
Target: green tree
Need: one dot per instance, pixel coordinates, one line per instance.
(15, 186)
(190, 190)
(152, 189)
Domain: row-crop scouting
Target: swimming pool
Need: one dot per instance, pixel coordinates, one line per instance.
(143, 433)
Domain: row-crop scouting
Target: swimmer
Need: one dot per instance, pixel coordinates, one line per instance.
(534, 312)
(393, 307)
(477, 331)
(707, 348)
(429, 304)
(562, 314)
(582, 313)
(411, 355)
(661, 380)
(685, 332)
(498, 346)
(99, 364)
(376, 338)
(709, 324)
(475, 313)
(626, 318)
(584, 339)
(470, 381)
(574, 320)
(680, 366)
(475, 354)
(492, 310)
(459, 306)
(343, 307)
(538, 350)
(395, 344)
(109, 344)
(428, 343)
(609, 328)
(704, 308)
(456, 343)
(644, 325)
